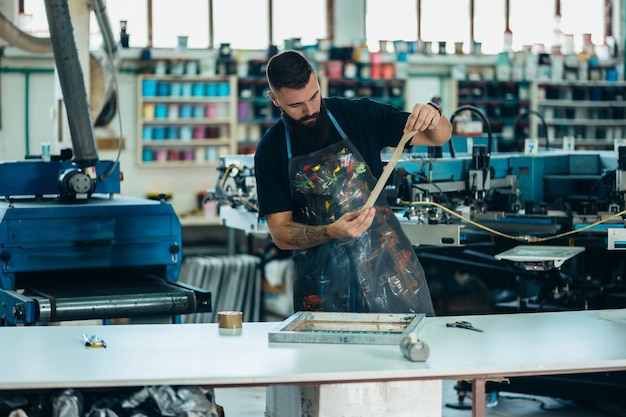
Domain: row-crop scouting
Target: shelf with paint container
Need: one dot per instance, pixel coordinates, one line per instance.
(186, 120)
(591, 112)
(389, 91)
(501, 101)
(255, 111)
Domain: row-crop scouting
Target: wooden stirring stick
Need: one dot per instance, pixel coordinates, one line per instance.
(388, 170)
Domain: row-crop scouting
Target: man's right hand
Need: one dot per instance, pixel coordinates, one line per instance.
(352, 224)
(288, 235)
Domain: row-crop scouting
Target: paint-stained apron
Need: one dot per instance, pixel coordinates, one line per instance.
(377, 272)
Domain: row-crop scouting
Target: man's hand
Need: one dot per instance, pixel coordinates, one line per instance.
(288, 235)
(433, 129)
(423, 117)
(352, 224)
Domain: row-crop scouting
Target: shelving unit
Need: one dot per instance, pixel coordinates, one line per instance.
(255, 111)
(389, 91)
(500, 101)
(186, 120)
(590, 111)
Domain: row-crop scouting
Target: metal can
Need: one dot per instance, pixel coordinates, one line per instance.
(45, 152)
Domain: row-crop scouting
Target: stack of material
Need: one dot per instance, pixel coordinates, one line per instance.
(233, 280)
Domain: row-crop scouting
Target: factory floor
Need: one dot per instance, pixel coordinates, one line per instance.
(250, 402)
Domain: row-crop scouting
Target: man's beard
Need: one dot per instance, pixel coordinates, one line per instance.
(310, 136)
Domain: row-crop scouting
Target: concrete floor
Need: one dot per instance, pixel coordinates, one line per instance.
(250, 402)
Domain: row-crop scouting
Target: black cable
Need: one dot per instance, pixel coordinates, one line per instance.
(600, 181)
(540, 116)
(480, 114)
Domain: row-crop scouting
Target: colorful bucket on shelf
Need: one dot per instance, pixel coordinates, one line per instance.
(160, 155)
(211, 110)
(244, 110)
(148, 133)
(163, 89)
(199, 132)
(197, 90)
(172, 132)
(211, 90)
(223, 89)
(187, 155)
(198, 112)
(211, 154)
(186, 89)
(160, 111)
(148, 112)
(186, 133)
(149, 88)
(199, 154)
(173, 155)
(147, 155)
(175, 90)
(186, 111)
(159, 133)
(191, 67)
(172, 111)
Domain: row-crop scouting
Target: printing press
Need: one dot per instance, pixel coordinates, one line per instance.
(71, 248)
(105, 257)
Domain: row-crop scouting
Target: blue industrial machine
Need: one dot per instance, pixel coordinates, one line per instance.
(106, 257)
(71, 248)
(474, 209)
(513, 192)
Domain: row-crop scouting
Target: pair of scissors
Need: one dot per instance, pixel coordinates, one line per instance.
(462, 324)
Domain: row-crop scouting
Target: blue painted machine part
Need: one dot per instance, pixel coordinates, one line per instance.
(37, 177)
(101, 233)
(551, 172)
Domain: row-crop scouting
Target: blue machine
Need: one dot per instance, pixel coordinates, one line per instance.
(104, 257)
(547, 193)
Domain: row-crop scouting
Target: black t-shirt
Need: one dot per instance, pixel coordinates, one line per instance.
(370, 126)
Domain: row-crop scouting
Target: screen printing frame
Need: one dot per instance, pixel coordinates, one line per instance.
(346, 328)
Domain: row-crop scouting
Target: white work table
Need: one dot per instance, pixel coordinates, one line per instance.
(196, 354)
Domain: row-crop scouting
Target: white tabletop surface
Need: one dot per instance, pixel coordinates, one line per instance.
(195, 354)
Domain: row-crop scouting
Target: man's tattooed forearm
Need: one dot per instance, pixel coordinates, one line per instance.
(305, 236)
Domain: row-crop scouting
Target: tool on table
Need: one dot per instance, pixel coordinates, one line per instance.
(462, 324)
(380, 184)
(93, 341)
(414, 349)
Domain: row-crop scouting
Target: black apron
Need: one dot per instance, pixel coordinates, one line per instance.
(377, 272)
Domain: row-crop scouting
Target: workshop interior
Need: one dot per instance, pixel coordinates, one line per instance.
(128, 189)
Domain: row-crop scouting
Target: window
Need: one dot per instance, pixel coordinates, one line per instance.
(37, 24)
(171, 19)
(577, 23)
(577, 17)
(390, 23)
(489, 25)
(244, 24)
(304, 19)
(136, 15)
(446, 20)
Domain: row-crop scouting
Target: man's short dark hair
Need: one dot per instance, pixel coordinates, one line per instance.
(288, 69)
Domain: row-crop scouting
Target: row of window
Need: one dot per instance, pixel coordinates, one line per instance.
(245, 24)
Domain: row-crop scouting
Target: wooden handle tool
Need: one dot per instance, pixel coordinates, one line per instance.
(388, 170)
